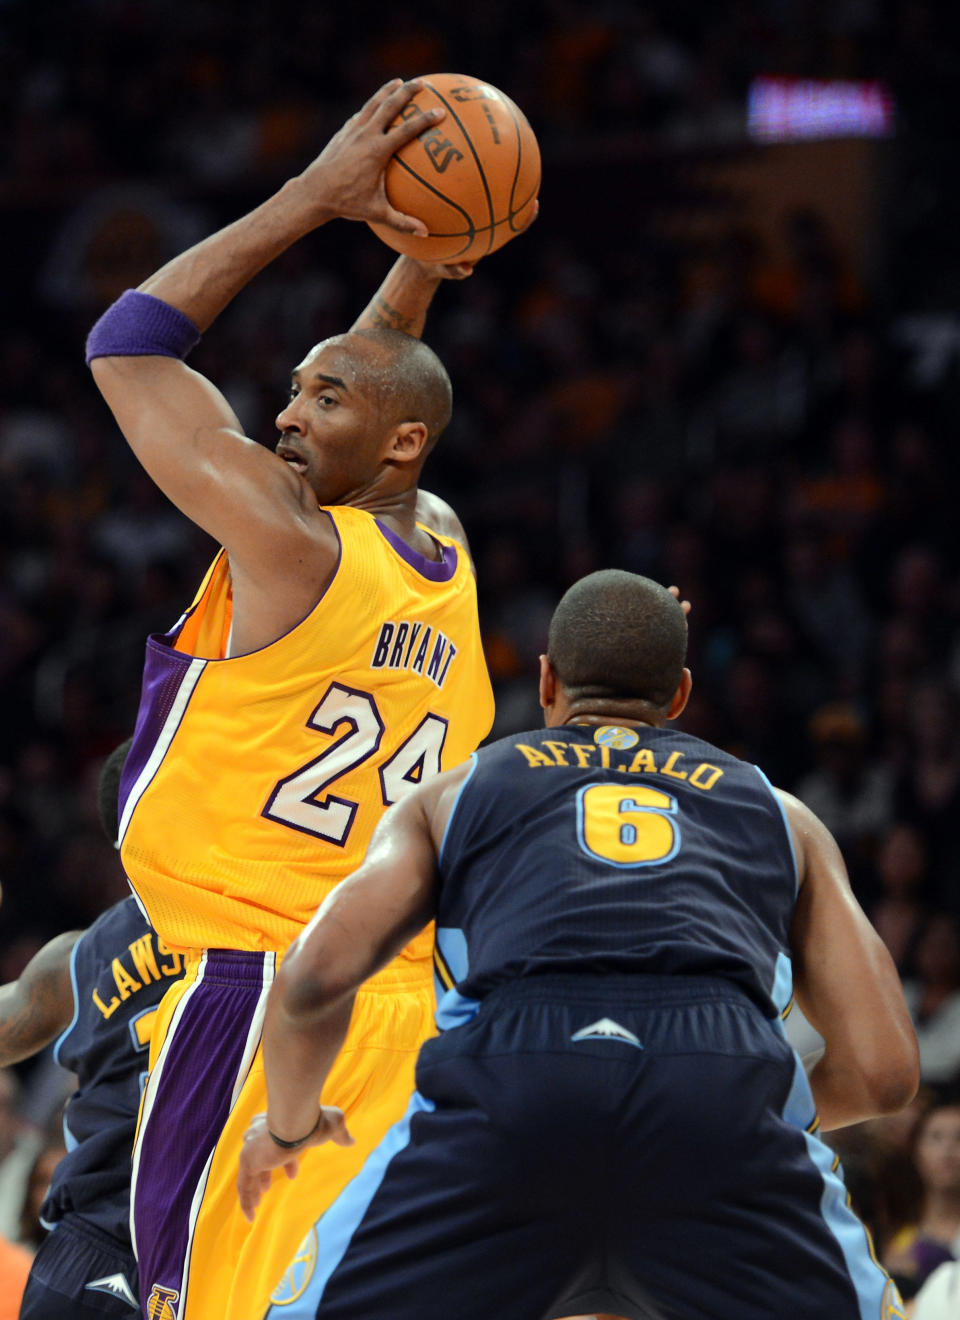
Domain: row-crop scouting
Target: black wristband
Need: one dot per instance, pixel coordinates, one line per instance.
(292, 1145)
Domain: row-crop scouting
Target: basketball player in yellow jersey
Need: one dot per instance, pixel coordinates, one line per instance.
(330, 662)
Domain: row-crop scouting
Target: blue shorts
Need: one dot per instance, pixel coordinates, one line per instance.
(79, 1272)
(644, 1146)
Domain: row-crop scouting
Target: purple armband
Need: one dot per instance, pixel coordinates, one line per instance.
(138, 324)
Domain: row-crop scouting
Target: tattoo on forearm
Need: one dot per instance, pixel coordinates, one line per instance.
(386, 317)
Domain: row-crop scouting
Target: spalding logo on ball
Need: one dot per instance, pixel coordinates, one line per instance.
(472, 178)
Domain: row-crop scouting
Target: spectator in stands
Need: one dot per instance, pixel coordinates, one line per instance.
(18, 1150)
(901, 909)
(932, 1233)
(933, 998)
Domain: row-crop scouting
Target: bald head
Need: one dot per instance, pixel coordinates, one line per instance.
(408, 380)
(618, 636)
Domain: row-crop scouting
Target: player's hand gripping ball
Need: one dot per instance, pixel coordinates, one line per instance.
(472, 178)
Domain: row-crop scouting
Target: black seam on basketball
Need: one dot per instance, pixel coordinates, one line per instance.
(516, 172)
(443, 197)
(521, 209)
(469, 141)
(482, 229)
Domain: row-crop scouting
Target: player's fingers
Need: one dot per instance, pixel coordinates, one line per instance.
(369, 108)
(248, 1190)
(337, 1127)
(460, 270)
(397, 97)
(400, 134)
(407, 224)
(534, 212)
(684, 604)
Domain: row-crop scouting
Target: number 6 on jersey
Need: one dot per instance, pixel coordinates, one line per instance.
(627, 826)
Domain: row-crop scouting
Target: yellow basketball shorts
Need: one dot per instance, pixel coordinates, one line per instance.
(199, 1258)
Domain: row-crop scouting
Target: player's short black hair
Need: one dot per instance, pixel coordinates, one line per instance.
(617, 635)
(108, 790)
(414, 385)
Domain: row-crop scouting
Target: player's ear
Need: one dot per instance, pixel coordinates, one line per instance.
(681, 696)
(407, 442)
(548, 683)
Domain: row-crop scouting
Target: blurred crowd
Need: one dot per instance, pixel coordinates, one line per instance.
(769, 430)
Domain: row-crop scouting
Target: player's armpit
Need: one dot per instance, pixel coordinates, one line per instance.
(37, 1007)
(190, 442)
(847, 986)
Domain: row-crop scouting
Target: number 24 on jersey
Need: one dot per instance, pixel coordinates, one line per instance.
(302, 801)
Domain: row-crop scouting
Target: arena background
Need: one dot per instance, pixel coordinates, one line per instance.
(725, 356)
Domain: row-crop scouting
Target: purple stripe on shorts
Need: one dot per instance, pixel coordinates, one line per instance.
(436, 570)
(164, 670)
(190, 1105)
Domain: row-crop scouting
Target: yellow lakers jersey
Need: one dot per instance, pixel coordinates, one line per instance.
(253, 783)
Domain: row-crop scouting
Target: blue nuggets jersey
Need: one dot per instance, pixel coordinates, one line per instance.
(612, 849)
(120, 971)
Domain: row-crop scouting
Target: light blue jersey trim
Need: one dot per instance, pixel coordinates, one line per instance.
(781, 992)
(868, 1278)
(455, 1010)
(452, 944)
(786, 826)
(335, 1228)
(69, 1140)
(456, 802)
(76, 1004)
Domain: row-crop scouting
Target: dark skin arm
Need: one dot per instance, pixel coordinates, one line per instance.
(404, 297)
(283, 549)
(401, 303)
(847, 986)
(363, 924)
(37, 1007)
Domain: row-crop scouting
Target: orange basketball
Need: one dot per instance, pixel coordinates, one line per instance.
(473, 178)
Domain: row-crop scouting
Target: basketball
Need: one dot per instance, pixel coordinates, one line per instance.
(473, 178)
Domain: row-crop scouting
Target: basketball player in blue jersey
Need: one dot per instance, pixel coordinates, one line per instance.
(612, 1118)
(98, 991)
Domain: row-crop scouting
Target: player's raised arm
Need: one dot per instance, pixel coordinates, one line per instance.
(847, 986)
(401, 303)
(404, 297)
(178, 424)
(38, 1006)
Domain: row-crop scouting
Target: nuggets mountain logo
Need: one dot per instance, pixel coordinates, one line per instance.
(297, 1278)
(115, 1285)
(613, 735)
(607, 1029)
(161, 1303)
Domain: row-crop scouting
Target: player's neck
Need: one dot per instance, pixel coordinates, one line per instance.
(397, 510)
(598, 720)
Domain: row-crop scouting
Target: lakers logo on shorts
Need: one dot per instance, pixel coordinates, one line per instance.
(615, 736)
(299, 1273)
(892, 1308)
(160, 1303)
